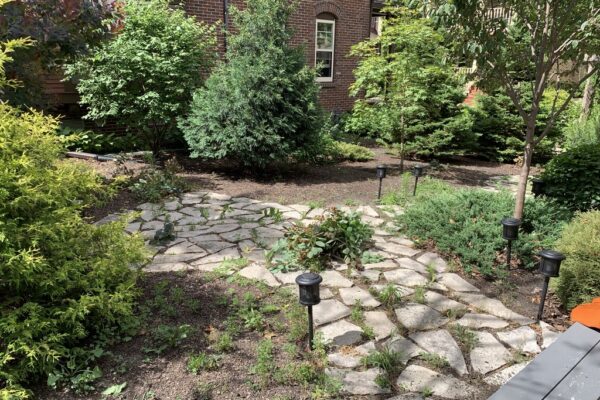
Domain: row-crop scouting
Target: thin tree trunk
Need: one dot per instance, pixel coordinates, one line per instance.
(588, 95)
(524, 175)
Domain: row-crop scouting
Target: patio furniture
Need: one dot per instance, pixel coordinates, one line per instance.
(569, 369)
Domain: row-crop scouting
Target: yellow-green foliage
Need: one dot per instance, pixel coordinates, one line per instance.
(64, 283)
(579, 280)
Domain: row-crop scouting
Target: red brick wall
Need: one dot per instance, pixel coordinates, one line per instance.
(353, 21)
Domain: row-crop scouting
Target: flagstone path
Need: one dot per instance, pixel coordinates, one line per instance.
(211, 228)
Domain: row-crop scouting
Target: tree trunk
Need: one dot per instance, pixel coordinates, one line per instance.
(524, 175)
(588, 95)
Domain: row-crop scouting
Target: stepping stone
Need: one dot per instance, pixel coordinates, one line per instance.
(264, 232)
(489, 354)
(523, 339)
(149, 207)
(175, 258)
(301, 208)
(183, 248)
(351, 357)
(335, 279)
(292, 215)
(259, 273)
(456, 283)
(217, 196)
(404, 291)
(441, 303)
(405, 347)
(351, 295)
(368, 211)
(325, 294)
(415, 378)
(363, 383)
(191, 211)
(328, 311)
(415, 317)
(435, 259)
(407, 396)
(256, 256)
(478, 321)
(205, 237)
(147, 215)
(386, 264)
(225, 254)
(403, 241)
(371, 275)
(548, 335)
(405, 277)
(172, 205)
(167, 267)
(133, 227)
(172, 216)
(381, 324)
(409, 263)
(207, 267)
(223, 228)
(372, 221)
(288, 278)
(440, 342)
(237, 235)
(397, 249)
(212, 246)
(153, 225)
(341, 333)
(492, 306)
(502, 377)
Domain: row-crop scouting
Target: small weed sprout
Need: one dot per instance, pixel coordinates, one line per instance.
(434, 360)
(357, 315)
(465, 336)
(419, 295)
(203, 362)
(431, 273)
(390, 295)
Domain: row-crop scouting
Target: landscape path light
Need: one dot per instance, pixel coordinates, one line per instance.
(381, 173)
(537, 187)
(550, 268)
(510, 232)
(308, 284)
(418, 172)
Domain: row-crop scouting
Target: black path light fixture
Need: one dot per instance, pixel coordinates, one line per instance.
(308, 284)
(537, 187)
(510, 232)
(381, 173)
(550, 268)
(418, 172)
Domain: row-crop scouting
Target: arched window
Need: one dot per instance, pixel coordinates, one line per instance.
(325, 47)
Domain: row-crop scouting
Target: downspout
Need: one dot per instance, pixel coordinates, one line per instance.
(370, 18)
(225, 23)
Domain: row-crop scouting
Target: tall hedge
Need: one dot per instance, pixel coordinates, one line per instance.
(261, 105)
(64, 283)
(579, 280)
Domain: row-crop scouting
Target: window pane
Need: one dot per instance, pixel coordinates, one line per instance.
(324, 64)
(324, 36)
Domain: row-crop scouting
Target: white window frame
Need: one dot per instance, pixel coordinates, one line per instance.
(332, 51)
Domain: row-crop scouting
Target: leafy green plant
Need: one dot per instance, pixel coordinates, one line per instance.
(357, 315)
(579, 280)
(252, 319)
(465, 336)
(203, 362)
(572, 178)
(154, 183)
(466, 223)
(390, 295)
(582, 132)
(369, 257)
(114, 390)
(65, 285)
(342, 151)
(274, 213)
(434, 360)
(387, 359)
(89, 141)
(265, 362)
(402, 195)
(151, 69)
(224, 343)
(261, 105)
(337, 235)
(419, 295)
(165, 337)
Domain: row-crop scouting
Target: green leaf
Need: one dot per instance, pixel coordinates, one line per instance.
(114, 389)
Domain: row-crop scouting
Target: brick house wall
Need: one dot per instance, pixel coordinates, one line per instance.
(353, 25)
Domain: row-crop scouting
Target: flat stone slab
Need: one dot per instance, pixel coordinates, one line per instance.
(167, 267)
(489, 354)
(385, 264)
(405, 277)
(183, 248)
(522, 339)
(409, 263)
(442, 303)
(351, 295)
(548, 334)
(434, 259)
(381, 324)
(341, 333)
(405, 347)
(351, 357)
(175, 258)
(371, 275)
(404, 291)
(407, 396)
(440, 342)
(478, 321)
(335, 279)
(492, 306)
(363, 383)
(259, 273)
(502, 377)
(328, 311)
(237, 235)
(418, 317)
(223, 228)
(398, 249)
(415, 378)
(456, 283)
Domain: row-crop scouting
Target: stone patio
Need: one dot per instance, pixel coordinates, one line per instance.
(211, 228)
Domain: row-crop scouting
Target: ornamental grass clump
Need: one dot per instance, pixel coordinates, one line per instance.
(66, 286)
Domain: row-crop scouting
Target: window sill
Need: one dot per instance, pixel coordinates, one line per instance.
(327, 84)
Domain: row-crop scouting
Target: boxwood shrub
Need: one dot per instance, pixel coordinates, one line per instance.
(573, 177)
(66, 285)
(466, 223)
(579, 280)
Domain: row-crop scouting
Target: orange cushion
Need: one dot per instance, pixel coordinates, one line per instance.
(587, 314)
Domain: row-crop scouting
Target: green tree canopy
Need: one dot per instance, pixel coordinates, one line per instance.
(261, 105)
(146, 75)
